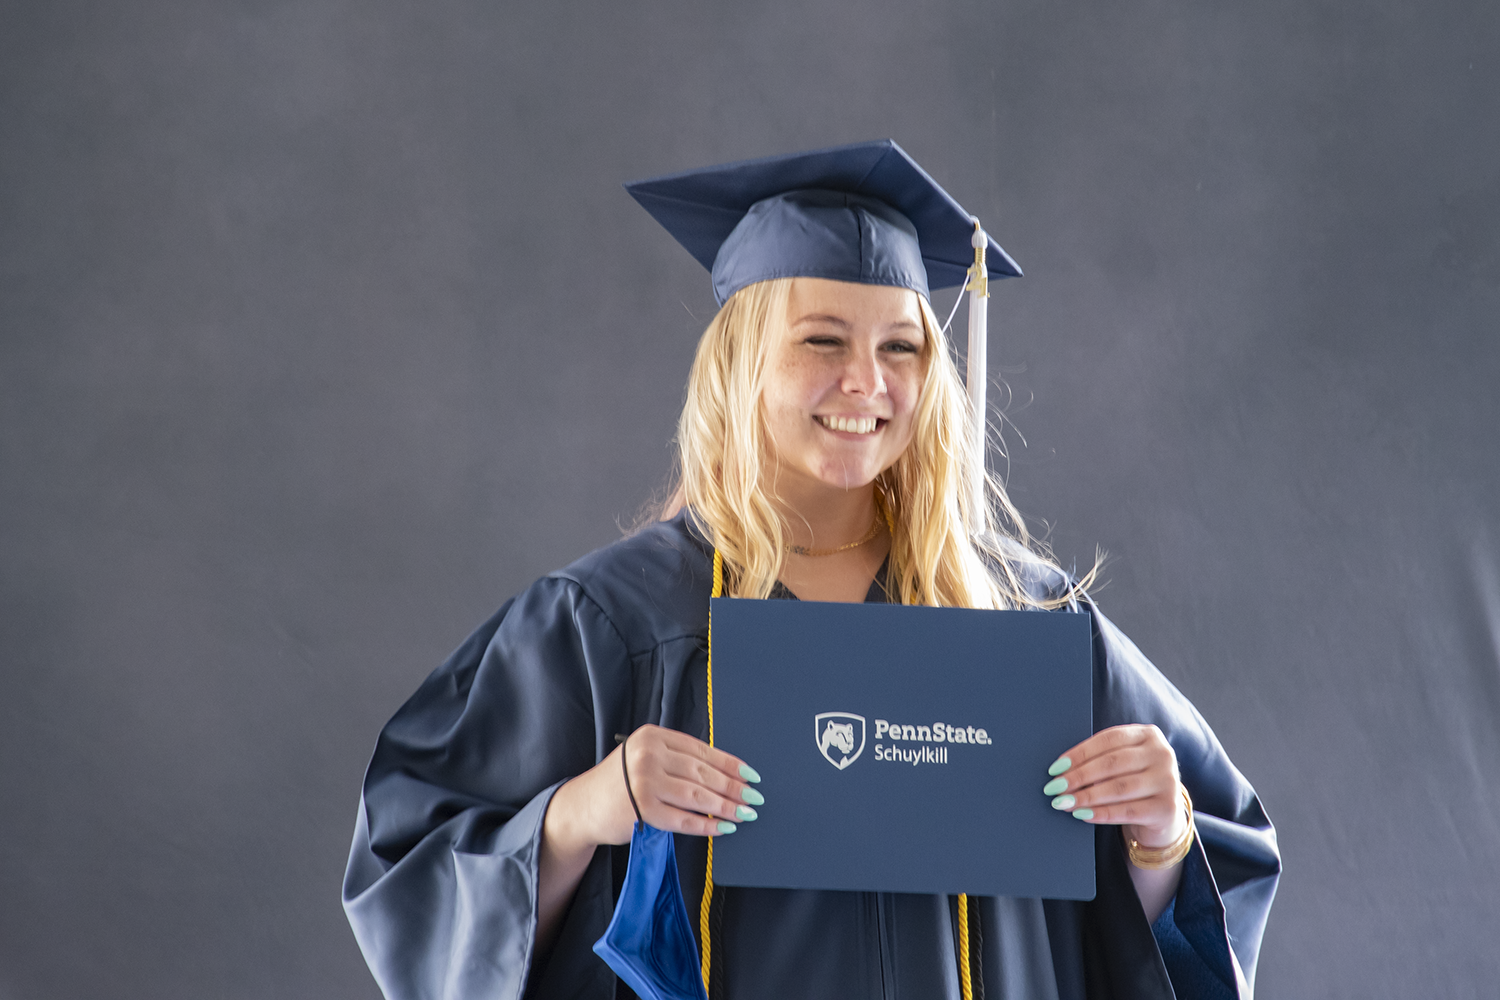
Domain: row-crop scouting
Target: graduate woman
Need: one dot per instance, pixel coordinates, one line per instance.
(823, 456)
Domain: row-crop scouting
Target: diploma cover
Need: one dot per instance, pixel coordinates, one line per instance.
(903, 749)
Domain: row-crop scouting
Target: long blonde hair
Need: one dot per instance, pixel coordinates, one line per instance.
(943, 552)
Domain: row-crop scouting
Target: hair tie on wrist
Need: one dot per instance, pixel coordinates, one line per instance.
(1155, 858)
(622, 739)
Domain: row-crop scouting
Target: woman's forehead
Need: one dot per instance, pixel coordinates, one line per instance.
(849, 303)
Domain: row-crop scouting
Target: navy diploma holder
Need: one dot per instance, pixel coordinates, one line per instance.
(903, 749)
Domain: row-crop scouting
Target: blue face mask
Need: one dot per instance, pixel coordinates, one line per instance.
(649, 942)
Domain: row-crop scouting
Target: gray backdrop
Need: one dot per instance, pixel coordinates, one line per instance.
(325, 326)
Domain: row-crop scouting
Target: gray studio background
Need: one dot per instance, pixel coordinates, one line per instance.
(326, 326)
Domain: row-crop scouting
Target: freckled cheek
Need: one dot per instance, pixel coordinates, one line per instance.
(790, 428)
(903, 399)
(801, 389)
(903, 428)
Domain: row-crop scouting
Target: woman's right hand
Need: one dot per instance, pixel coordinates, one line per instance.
(681, 784)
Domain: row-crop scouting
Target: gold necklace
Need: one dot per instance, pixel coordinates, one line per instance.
(802, 550)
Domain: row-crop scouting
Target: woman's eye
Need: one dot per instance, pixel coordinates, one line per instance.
(902, 347)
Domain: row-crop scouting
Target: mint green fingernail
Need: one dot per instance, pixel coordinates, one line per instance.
(1054, 786)
(753, 797)
(1063, 802)
(749, 773)
(745, 813)
(726, 827)
(1060, 765)
(1083, 814)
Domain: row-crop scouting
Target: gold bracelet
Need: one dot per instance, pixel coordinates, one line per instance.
(1154, 858)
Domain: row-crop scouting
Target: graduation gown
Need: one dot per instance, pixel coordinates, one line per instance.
(441, 882)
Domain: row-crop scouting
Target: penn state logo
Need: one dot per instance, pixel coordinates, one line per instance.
(840, 737)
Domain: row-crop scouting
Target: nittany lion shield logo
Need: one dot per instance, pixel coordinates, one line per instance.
(840, 737)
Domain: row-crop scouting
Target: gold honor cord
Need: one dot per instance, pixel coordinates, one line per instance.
(965, 984)
(964, 979)
(708, 872)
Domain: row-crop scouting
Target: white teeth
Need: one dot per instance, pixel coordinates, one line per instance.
(852, 425)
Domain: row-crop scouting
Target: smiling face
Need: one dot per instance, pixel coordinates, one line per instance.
(841, 384)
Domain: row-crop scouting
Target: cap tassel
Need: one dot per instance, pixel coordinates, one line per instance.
(978, 288)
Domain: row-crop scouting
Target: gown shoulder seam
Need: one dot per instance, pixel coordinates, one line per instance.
(656, 641)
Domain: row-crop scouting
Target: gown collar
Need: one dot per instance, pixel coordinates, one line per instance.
(876, 595)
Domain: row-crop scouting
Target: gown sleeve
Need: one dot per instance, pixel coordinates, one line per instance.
(441, 883)
(1209, 937)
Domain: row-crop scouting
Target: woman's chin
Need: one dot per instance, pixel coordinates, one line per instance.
(843, 480)
(831, 476)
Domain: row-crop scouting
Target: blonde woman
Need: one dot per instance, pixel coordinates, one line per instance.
(822, 454)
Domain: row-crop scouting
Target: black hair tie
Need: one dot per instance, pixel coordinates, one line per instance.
(622, 738)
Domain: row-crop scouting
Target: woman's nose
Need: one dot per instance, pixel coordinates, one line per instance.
(863, 376)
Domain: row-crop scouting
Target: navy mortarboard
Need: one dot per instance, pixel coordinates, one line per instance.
(864, 213)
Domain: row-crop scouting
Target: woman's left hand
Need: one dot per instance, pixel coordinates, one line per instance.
(1124, 775)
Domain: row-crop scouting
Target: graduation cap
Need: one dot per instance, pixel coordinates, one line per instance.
(864, 213)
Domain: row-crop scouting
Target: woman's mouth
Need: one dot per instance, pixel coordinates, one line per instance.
(851, 425)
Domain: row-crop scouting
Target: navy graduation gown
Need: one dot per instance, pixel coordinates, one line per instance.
(441, 882)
